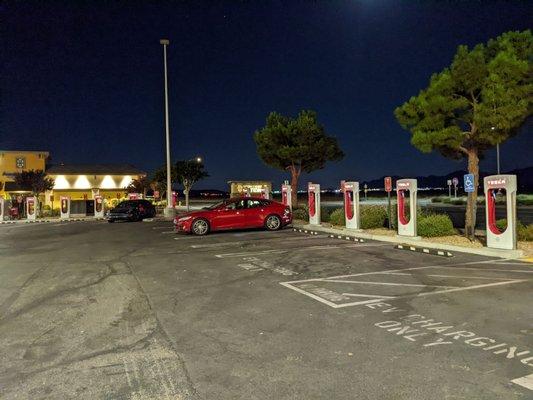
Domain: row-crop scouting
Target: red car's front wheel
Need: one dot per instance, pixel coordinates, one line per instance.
(200, 227)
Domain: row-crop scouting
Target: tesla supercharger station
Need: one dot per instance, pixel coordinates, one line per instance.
(98, 207)
(495, 238)
(351, 205)
(286, 195)
(313, 195)
(64, 207)
(264, 193)
(406, 225)
(31, 208)
(2, 208)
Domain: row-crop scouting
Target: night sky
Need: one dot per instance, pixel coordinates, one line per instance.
(85, 81)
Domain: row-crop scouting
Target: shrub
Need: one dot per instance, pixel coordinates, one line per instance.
(501, 224)
(457, 202)
(337, 217)
(432, 225)
(436, 199)
(524, 200)
(373, 217)
(324, 214)
(446, 200)
(523, 232)
(300, 213)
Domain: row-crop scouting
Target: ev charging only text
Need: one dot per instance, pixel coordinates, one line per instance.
(431, 333)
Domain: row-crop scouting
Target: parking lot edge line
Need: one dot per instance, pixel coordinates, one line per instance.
(378, 272)
(367, 295)
(459, 289)
(320, 299)
(359, 303)
(389, 283)
(496, 270)
(453, 276)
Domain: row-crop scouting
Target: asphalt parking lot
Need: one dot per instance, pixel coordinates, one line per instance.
(91, 310)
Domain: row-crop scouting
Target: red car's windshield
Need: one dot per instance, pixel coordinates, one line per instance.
(216, 205)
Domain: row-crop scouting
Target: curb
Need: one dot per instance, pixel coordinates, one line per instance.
(485, 251)
(351, 238)
(424, 250)
(43, 221)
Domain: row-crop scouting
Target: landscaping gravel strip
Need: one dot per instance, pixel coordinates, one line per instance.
(429, 243)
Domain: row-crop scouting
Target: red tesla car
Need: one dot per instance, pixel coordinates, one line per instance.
(237, 213)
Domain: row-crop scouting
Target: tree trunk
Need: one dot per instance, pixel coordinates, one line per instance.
(295, 174)
(471, 204)
(186, 193)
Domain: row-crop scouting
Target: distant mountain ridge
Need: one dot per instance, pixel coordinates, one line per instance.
(524, 178)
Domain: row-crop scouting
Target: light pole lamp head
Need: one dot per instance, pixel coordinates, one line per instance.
(164, 42)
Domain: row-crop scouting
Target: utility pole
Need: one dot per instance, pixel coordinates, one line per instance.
(169, 209)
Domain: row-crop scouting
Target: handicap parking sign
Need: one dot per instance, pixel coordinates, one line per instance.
(469, 183)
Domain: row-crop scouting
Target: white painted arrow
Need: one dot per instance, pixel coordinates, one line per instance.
(525, 381)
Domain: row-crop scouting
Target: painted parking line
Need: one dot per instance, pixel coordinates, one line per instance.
(294, 249)
(338, 291)
(183, 237)
(243, 254)
(446, 276)
(160, 227)
(388, 283)
(240, 242)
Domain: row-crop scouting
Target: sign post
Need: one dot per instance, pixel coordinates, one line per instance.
(366, 190)
(455, 183)
(388, 189)
(449, 188)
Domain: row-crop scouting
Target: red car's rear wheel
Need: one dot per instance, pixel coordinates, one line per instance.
(273, 222)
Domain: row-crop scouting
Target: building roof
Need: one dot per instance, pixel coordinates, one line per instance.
(25, 152)
(251, 182)
(94, 169)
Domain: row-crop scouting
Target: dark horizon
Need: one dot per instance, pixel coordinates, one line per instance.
(86, 82)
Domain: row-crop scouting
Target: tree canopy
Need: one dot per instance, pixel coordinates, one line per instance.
(140, 185)
(188, 172)
(296, 145)
(301, 142)
(481, 100)
(36, 180)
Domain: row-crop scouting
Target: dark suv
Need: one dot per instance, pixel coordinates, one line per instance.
(131, 210)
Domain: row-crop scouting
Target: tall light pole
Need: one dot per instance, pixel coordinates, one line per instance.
(169, 209)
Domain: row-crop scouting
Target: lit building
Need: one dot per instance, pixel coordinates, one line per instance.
(254, 188)
(13, 162)
(84, 181)
(81, 182)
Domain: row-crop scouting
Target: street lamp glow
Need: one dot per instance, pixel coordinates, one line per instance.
(198, 159)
